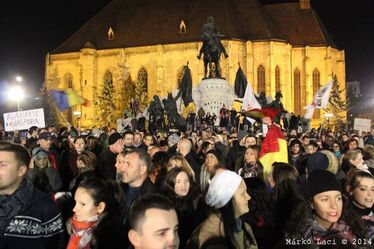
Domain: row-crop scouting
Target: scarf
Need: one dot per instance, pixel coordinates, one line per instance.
(249, 170)
(81, 233)
(338, 230)
(14, 204)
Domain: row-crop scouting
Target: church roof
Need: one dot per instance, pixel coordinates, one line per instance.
(150, 22)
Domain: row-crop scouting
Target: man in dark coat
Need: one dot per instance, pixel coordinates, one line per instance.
(184, 148)
(134, 173)
(28, 217)
(107, 160)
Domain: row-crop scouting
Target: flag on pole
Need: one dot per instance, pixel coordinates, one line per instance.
(66, 98)
(320, 100)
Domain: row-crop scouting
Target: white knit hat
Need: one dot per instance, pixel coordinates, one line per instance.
(222, 188)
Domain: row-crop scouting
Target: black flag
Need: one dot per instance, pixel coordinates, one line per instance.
(240, 83)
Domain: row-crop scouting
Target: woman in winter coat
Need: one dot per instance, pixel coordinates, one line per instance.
(227, 195)
(97, 220)
(250, 166)
(323, 217)
(41, 174)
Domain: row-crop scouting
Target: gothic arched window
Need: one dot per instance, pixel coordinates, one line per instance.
(68, 80)
(297, 92)
(182, 27)
(143, 78)
(316, 86)
(261, 79)
(277, 80)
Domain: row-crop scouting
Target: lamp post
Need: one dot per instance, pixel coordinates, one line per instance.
(19, 91)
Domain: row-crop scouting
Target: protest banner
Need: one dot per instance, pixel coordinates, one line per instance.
(361, 124)
(23, 120)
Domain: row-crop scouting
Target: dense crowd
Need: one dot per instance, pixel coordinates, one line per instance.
(204, 187)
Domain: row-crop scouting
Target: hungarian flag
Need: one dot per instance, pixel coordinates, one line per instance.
(273, 148)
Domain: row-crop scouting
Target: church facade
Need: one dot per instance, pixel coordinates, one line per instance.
(280, 47)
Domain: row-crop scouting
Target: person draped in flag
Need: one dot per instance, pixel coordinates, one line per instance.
(274, 145)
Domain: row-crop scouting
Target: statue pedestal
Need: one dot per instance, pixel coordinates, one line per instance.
(212, 93)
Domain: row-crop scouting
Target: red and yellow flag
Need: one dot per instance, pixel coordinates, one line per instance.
(273, 149)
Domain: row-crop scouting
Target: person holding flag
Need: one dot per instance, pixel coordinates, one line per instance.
(274, 145)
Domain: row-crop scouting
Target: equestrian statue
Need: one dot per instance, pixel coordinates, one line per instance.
(212, 49)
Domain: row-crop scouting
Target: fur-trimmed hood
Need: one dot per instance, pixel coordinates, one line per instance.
(333, 161)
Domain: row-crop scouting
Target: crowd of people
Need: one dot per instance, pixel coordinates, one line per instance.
(199, 188)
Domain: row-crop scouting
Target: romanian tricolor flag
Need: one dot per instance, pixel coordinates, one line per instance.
(273, 148)
(67, 98)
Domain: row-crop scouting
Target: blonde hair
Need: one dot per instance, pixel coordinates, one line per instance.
(352, 154)
(181, 162)
(369, 149)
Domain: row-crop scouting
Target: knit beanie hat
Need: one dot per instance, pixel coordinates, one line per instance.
(216, 153)
(39, 153)
(321, 181)
(222, 188)
(317, 160)
(114, 138)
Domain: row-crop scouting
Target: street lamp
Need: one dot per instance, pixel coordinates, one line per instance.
(16, 93)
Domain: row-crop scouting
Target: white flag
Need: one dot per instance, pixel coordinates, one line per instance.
(250, 102)
(320, 100)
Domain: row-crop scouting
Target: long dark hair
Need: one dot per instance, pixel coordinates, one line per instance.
(286, 179)
(110, 193)
(106, 191)
(261, 201)
(169, 184)
(229, 222)
(159, 166)
(230, 225)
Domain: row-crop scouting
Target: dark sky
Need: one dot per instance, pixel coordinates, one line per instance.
(30, 29)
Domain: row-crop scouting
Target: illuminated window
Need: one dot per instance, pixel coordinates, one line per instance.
(261, 79)
(182, 27)
(316, 86)
(297, 92)
(277, 80)
(110, 34)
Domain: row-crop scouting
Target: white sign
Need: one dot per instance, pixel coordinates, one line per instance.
(361, 124)
(23, 120)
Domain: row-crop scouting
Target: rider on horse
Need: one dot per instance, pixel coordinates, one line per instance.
(212, 47)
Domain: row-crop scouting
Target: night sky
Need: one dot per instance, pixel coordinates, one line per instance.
(30, 29)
